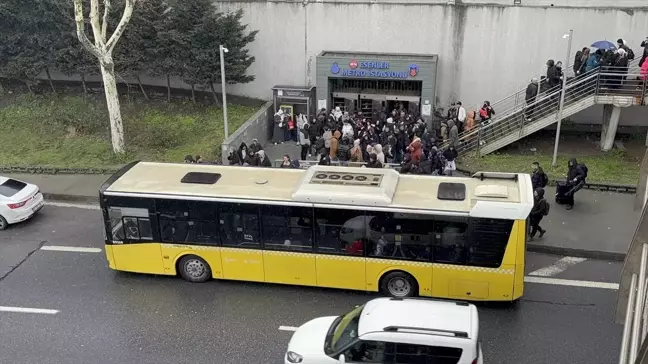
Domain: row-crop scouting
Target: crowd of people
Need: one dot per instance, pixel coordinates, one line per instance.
(612, 61)
(400, 137)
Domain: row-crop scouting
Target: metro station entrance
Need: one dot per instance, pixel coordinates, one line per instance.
(370, 82)
(372, 96)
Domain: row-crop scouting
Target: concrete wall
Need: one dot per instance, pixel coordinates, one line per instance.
(259, 127)
(487, 49)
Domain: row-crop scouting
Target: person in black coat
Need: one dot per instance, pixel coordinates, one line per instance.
(539, 178)
(553, 74)
(530, 98)
(575, 179)
(539, 210)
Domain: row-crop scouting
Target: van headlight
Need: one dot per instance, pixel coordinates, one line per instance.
(294, 357)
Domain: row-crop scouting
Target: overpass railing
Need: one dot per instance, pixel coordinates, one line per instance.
(516, 113)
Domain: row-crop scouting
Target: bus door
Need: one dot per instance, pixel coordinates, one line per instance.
(341, 244)
(132, 246)
(241, 255)
(287, 233)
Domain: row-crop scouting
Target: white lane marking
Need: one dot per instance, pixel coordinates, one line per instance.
(558, 267)
(42, 311)
(75, 249)
(572, 283)
(288, 328)
(73, 205)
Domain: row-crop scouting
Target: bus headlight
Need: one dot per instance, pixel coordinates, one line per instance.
(294, 357)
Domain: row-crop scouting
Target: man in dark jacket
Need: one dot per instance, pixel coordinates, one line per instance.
(575, 179)
(530, 97)
(553, 75)
(539, 178)
(540, 209)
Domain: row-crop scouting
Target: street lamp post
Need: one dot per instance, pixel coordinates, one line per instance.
(224, 50)
(562, 97)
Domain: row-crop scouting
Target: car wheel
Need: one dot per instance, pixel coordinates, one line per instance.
(194, 269)
(3, 223)
(399, 284)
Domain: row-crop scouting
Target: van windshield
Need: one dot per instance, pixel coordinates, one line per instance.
(344, 330)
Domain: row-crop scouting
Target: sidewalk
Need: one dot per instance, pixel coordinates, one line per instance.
(600, 226)
(66, 187)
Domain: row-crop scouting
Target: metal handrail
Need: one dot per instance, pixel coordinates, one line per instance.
(596, 82)
(501, 106)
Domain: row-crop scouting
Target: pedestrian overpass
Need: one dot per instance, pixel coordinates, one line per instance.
(515, 119)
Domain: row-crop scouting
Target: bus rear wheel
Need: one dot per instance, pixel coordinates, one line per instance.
(399, 284)
(194, 269)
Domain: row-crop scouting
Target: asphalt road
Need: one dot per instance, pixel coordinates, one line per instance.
(111, 317)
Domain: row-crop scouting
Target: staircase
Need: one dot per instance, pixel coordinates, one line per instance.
(514, 119)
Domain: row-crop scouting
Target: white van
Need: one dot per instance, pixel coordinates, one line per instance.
(391, 331)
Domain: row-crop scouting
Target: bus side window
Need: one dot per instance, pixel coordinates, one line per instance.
(129, 223)
(450, 240)
(239, 225)
(116, 223)
(340, 231)
(287, 228)
(488, 241)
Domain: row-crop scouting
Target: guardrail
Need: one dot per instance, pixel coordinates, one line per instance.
(606, 87)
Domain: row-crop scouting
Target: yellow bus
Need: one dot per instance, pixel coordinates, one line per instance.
(339, 227)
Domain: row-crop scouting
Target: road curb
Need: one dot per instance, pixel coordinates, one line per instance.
(572, 252)
(70, 198)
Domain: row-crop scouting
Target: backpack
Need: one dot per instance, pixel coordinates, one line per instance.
(631, 54)
(583, 167)
(545, 212)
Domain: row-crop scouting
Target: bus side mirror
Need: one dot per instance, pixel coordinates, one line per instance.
(342, 359)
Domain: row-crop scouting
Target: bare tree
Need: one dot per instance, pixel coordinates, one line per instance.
(102, 49)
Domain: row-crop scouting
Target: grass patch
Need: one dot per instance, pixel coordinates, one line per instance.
(614, 167)
(73, 131)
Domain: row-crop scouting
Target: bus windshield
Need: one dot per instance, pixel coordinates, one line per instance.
(344, 330)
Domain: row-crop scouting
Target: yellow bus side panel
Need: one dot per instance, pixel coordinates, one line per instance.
(109, 256)
(339, 271)
(289, 268)
(480, 283)
(378, 268)
(473, 283)
(171, 253)
(139, 258)
(520, 259)
(243, 264)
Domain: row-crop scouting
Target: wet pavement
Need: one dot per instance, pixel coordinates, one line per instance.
(112, 317)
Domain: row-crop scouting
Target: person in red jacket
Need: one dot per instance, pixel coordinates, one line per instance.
(415, 149)
(356, 248)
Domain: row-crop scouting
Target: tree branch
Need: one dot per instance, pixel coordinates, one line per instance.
(104, 20)
(128, 12)
(96, 27)
(80, 29)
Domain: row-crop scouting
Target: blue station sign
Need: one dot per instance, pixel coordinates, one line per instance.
(372, 69)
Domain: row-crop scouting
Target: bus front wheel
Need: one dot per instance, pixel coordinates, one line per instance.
(399, 284)
(194, 269)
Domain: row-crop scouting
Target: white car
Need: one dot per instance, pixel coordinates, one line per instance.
(394, 331)
(18, 201)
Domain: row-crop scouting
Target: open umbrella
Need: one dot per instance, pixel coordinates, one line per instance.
(604, 44)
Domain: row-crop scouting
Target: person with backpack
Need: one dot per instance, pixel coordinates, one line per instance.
(540, 209)
(576, 175)
(539, 178)
(621, 44)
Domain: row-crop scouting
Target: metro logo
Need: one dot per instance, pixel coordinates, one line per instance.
(353, 64)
